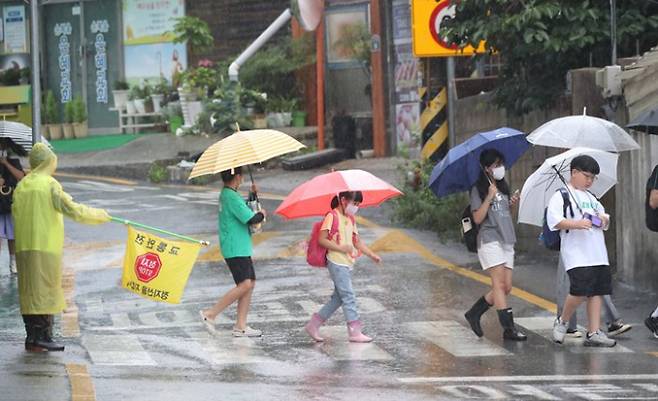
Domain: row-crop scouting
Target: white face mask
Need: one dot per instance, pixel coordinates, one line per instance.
(351, 209)
(498, 173)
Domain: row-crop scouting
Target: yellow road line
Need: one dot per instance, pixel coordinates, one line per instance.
(82, 387)
(398, 241)
(96, 178)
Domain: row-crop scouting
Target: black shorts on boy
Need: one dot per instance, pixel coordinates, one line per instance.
(590, 281)
(241, 268)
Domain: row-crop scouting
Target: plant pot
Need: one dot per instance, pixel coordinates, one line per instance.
(44, 131)
(120, 99)
(55, 131)
(274, 120)
(175, 122)
(80, 130)
(130, 107)
(286, 119)
(259, 121)
(68, 131)
(298, 118)
(157, 102)
(140, 105)
(187, 95)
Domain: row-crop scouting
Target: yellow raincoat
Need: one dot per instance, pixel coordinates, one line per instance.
(38, 206)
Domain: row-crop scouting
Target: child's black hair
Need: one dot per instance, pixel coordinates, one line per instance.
(358, 197)
(487, 158)
(227, 176)
(348, 195)
(585, 164)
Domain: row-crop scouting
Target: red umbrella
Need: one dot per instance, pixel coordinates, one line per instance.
(313, 198)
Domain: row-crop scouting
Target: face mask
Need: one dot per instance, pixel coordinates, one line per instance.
(351, 209)
(498, 173)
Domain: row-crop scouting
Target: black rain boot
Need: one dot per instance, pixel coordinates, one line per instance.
(507, 321)
(31, 332)
(474, 314)
(45, 340)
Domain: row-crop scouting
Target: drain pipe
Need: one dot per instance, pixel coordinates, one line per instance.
(234, 68)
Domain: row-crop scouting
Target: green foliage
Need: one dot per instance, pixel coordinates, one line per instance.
(272, 69)
(79, 110)
(157, 172)
(420, 208)
(202, 180)
(222, 112)
(69, 110)
(195, 32)
(139, 92)
(207, 78)
(281, 104)
(120, 85)
(540, 40)
(355, 41)
(50, 108)
(162, 87)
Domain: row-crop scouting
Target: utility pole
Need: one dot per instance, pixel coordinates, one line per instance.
(377, 82)
(450, 67)
(36, 72)
(613, 30)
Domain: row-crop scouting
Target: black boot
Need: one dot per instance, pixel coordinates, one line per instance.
(44, 339)
(475, 313)
(507, 321)
(31, 337)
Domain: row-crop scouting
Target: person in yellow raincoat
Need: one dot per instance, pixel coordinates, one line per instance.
(38, 209)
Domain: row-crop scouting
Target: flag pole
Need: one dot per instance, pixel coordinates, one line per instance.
(158, 230)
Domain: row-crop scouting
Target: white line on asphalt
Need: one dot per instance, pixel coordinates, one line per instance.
(339, 348)
(221, 348)
(547, 378)
(457, 339)
(125, 349)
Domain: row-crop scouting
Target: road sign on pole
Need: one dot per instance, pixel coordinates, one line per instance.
(427, 18)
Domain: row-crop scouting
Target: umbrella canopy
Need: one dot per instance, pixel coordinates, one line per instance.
(460, 168)
(646, 121)
(543, 183)
(313, 198)
(243, 148)
(583, 131)
(19, 133)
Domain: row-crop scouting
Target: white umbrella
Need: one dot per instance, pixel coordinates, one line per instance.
(19, 133)
(583, 131)
(543, 183)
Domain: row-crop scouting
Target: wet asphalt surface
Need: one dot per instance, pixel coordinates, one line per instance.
(136, 349)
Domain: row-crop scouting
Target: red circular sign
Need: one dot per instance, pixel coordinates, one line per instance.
(441, 13)
(147, 267)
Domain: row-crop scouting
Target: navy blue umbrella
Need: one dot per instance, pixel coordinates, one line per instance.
(460, 169)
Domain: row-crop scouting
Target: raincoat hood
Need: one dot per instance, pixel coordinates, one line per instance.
(42, 159)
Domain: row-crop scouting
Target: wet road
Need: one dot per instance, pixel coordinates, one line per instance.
(122, 347)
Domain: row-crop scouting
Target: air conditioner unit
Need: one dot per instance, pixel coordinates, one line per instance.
(609, 80)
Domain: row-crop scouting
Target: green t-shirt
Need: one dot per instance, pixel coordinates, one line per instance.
(234, 237)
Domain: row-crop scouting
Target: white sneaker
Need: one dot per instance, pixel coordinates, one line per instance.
(574, 333)
(210, 324)
(598, 339)
(247, 332)
(559, 331)
(12, 266)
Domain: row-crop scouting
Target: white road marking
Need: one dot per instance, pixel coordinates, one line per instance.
(309, 307)
(456, 339)
(339, 348)
(124, 349)
(538, 378)
(222, 348)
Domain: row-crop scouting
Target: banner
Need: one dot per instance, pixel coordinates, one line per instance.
(150, 21)
(157, 268)
(15, 29)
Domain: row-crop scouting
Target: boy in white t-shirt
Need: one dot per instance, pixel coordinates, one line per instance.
(582, 251)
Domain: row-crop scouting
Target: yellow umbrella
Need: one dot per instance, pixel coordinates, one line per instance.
(243, 148)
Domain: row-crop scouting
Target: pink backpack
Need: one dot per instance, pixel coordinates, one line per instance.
(316, 254)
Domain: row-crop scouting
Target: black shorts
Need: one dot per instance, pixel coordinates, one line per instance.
(590, 281)
(241, 268)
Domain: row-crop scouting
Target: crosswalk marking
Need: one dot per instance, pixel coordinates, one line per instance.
(309, 307)
(457, 339)
(222, 348)
(116, 350)
(339, 348)
(543, 325)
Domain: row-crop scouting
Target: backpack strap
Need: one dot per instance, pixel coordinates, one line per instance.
(334, 226)
(566, 204)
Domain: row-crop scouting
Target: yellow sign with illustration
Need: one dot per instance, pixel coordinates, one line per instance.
(157, 268)
(427, 18)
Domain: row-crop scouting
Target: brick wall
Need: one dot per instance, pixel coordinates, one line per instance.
(235, 23)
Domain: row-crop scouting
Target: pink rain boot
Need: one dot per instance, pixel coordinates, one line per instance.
(313, 327)
(355, 334)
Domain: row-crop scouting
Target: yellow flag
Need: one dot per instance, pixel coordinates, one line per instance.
(157, 268)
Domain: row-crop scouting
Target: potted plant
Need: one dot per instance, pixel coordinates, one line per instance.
(80, 127)
(160, 90)
(54, 128)
(68, 120)
(137, 96)
(174, 116)
(120, 94)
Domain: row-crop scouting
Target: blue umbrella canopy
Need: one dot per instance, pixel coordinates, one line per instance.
(460, 168)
